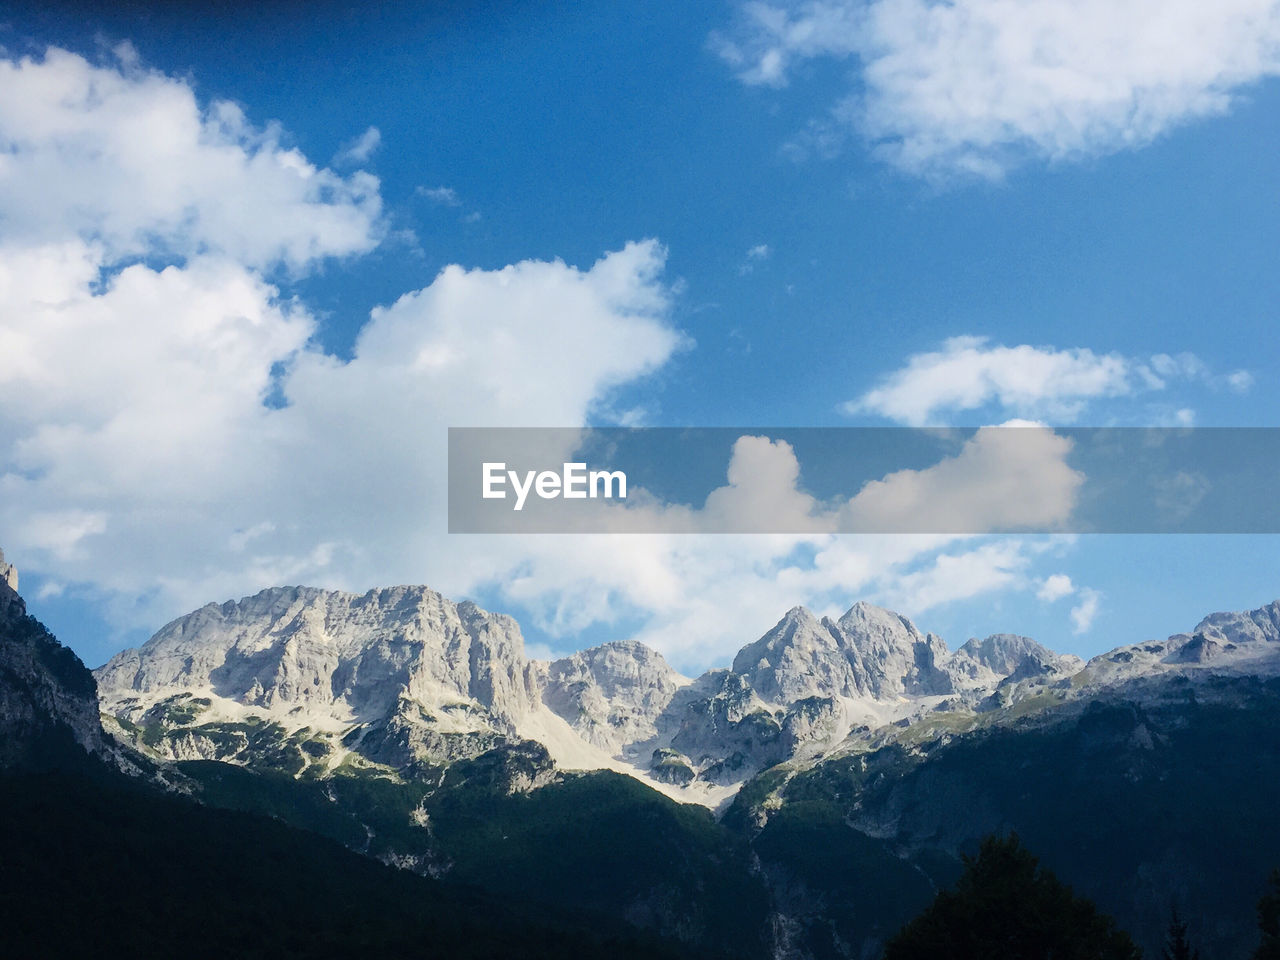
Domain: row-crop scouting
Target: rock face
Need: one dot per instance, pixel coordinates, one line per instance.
(612, 695)
(801, 657)
(875, 654)
(409, 675)
(8, 585)
(336, 653)
(1227, 643)
(48, 700)
(1005, 657)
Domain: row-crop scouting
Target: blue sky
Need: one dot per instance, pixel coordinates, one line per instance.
(827, 204)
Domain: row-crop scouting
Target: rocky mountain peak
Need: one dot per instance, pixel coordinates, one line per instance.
(1255, 626)
(8, 574)
(612, 695)
(896, 658)
(9, 589)
(433, 677)
(618, 666)
(801, 656)
(865, 623)
(1237, 643)
(48, 700)
(1009, 655)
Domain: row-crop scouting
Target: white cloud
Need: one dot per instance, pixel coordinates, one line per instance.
(50, 589)
(143, 430)
(971, 374)
(1004, 478)
(444, 196)
(1164, 367)
(976, 86)
(763, 476)
(126, 161)
(755, 255)
(1084, 613)
(958, 576)
(1241, 381)
(968, 374)
(1055, 587)
(360, 149)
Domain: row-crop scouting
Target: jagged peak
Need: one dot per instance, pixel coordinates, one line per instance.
(798, 622)
(633, 648)
(864, 620)
(1262, 624)
(282, 597)
(999, 644)
(8, 574)
(1014, 656)
(798, 614)
(869, 612)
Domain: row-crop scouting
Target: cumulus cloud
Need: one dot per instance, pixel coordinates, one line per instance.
(1055, 587)
(146, 415)
(977, 86)
(959, 575)
(970, 373)
(1004, 478)
(763, 489)
(126, 160)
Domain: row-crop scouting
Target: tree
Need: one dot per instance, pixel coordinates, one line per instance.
(1269, 921)
(1176, 944)
(1006, 907)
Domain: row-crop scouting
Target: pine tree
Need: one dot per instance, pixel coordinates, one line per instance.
(1176, 944)
(1007, 907)
(1269, 921)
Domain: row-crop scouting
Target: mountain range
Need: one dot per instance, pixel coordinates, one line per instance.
(407, 680)
(802, 803)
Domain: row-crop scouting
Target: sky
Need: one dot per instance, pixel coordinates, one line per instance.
(255, 260)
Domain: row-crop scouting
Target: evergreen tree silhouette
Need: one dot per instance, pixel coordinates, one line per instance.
(1269, 920)
(1007, 907)
(1176, 944)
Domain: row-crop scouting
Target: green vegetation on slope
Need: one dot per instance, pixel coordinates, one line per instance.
(598, 843)
(96, 866)
(1006, 907)
(1135, 806)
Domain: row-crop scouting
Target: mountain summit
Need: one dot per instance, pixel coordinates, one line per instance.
(48, 700)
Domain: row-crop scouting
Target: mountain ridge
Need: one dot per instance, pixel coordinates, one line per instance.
(405, 678)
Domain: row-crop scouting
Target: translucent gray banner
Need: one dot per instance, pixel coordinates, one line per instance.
(1008, 479)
